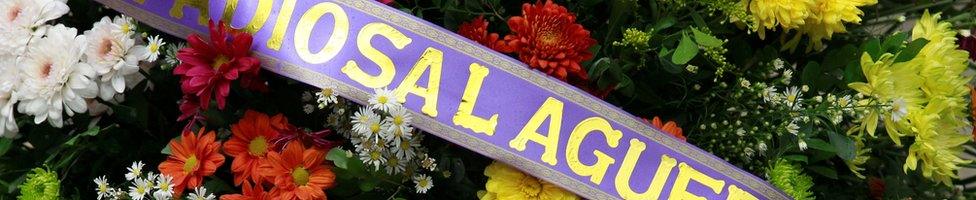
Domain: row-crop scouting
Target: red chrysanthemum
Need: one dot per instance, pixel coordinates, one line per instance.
(548, 38)
(194, 156)
(477, 30)
(208, 68)
(299, 173)
(250, 193)
(670, 127)
(249, 146)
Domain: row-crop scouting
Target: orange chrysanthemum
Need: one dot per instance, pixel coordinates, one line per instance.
(548, 38)
(299, 173)
(972, 108)
(249, 145)
(250, 193)
(477, 30)
(670, 127)
(193, 157)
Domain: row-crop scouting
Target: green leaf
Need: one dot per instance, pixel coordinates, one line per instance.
(797, 158)
(824, 171)
(368, 185)
(811, 72)
(338, 157)
(820, 144)
(911, 50)
(844, 145)
(873, 48)
(5, 144)
(853, 73)
(664, 23)
(216, 185)
(894, 42)
(93, 131)
(705, 39)
(687, 49)
(166, 150)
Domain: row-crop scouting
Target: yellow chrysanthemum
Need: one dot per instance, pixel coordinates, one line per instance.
(789, 14)
(924, 97)
(505, 182)
(828, 17)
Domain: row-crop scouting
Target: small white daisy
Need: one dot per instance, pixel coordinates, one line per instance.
(793, 98)
(428, 163)
(135, 171)
(361, 120)
(802, 144)
(306, 96)
(155, 44)
(200, 193)
(124, 25)
(308, 108)
(164, 187)
(102, 188)
(423, 183)
(326, 96)
(787, 76)
(793, 128)
(383, 100)
(398, 123)
(899, 109)
(372, 157)
(395, 165)
(406, 149)
(139, 189)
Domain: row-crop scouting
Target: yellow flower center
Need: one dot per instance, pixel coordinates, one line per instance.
(549, 38)
(219, 61)
(327, 92)
(153, 47)
(375, 155)
(398, 120)
(531, 186)
(126, 28)
(300, 176)
(190, 164)
(102, 188)
(258, 146)
(381, 99)
(164, 186)
(375, 128)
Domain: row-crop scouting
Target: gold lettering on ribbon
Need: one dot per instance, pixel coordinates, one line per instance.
(622, 181)
(736, 193)
(282, 23)
(201, 5)
(364, 42)
(431, 59)
(303, 32)
(464, 116)
(685, 175)
(553, 110)
(261, 14)
(597, 170)
(141, 1)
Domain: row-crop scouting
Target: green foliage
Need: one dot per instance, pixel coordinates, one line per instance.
(791, 179)
(41, 184)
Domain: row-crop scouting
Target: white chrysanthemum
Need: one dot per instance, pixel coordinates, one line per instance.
(124, 25)
(793, 98)
(102, 188)
(9, 83)
(113, 54)
(326, 96)
(152, 48)
(139, 189)
(135, 171)
(54, 79)
(360, 118)
(383, 100)
(406, 148)
(200, 193)
(395, 165)
(372, 156)
(422, 183)
(397, 124)
(21, 17)
(164, 187)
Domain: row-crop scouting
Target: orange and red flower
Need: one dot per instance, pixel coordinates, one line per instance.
(670, 127)
(249, 146)
(547, 38)
(477, 30)
(250, 193)
(208, 68)
(193, 157)
(299, 173)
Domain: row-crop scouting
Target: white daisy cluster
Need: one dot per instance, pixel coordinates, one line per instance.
(141, 184)
(384, 138)
(49, 71)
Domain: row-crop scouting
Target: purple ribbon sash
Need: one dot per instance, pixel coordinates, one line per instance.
(465, 93)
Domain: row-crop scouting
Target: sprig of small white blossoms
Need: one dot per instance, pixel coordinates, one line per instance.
(141, 184)
(385, 140)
